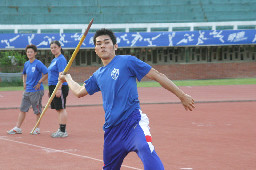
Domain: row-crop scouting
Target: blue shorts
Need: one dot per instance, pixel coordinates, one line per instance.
(130, 135)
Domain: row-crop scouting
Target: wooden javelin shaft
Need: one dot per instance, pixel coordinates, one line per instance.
(64, 72)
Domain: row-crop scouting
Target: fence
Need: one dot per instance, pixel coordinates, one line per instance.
(147, 27)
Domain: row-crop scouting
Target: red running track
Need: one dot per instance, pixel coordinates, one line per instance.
(12, 99)
(214, 136)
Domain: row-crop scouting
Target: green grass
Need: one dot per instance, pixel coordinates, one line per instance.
(242, 81)
(16, 88)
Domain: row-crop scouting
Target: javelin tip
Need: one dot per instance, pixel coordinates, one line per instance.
(91, 21)
(89, 26)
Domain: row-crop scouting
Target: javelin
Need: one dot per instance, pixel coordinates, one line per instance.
(64, 72)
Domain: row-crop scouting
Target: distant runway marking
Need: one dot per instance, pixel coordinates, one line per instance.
(66, 150)
(61, 151)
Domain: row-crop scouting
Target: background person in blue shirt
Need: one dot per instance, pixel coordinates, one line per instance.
(58, 103)
(34, 89)
(126, 127)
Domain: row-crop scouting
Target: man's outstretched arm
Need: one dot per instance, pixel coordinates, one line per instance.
(78, 91)
(166, 83)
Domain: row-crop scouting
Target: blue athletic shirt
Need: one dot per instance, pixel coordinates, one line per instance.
(117, 83)
(57, 65)
(34, 72)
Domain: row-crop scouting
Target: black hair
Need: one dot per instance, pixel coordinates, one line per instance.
(33, 47)
(104, 31)
(58, 44)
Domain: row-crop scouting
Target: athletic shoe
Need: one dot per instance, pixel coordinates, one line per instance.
(36, 131)
(15, 130)
(59, 134)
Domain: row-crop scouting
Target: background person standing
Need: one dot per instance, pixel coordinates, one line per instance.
(58, 103)
(34, 89)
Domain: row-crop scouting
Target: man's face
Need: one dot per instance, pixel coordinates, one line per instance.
(104, 47)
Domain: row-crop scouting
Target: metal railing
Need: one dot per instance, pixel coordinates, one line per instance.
(127, 27)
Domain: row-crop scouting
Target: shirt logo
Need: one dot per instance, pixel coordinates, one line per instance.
(33, 69)
(115, 73)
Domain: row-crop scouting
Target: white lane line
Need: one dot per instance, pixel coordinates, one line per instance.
(186, 168)
(66, 150)
(61, 151)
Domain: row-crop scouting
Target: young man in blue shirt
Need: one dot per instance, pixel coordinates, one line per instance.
(126, 127)
(34, 89)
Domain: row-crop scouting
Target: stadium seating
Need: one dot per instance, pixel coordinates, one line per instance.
(113, 11)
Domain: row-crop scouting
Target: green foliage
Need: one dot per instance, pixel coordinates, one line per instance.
(11, 61)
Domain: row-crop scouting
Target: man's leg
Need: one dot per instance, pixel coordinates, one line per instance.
(141, 141)
(147, 153)
(113, 152)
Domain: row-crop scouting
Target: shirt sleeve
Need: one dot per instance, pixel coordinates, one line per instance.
(42, 68)
(24, 69)
(91, 85)
(137, 67)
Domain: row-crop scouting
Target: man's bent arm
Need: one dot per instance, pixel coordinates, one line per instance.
(166, 83)
(78, 91)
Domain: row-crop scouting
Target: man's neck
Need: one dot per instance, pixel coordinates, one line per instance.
(107, 61)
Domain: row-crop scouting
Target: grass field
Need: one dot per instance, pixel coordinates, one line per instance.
(241, 81)
(203, 82)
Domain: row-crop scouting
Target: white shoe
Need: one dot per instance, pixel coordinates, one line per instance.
(36, 131)
(59, 134)
(15, 130)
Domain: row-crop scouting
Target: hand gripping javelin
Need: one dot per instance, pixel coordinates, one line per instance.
(64, 72)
